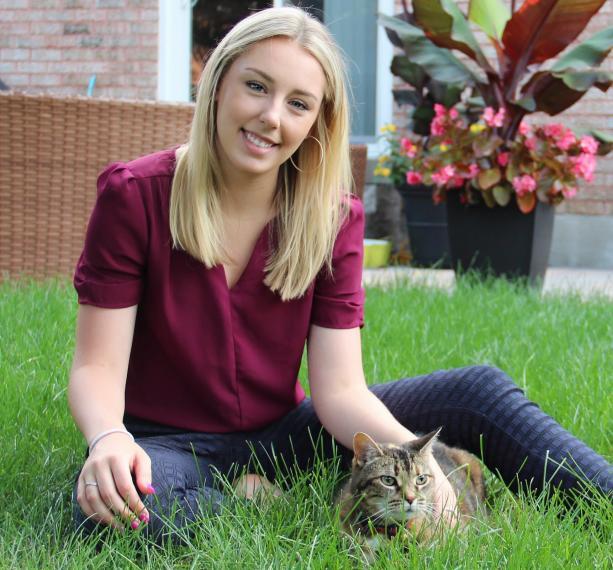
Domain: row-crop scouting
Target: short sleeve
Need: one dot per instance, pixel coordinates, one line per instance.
(111, 267)
(338, 300)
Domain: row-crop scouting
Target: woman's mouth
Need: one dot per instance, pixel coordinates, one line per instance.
(257, 141)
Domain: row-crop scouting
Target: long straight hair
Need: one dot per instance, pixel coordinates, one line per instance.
(311, 201)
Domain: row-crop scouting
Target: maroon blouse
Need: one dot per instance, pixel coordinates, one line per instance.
(205, 357)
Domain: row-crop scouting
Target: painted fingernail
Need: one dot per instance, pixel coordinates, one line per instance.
(151, 489)
(144, 517)
(134, 524)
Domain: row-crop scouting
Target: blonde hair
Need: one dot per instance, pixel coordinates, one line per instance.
(311, 203)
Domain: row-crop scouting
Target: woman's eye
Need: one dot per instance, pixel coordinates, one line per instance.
(421, 479)
(388, 481)
(255, 86)
(299, 105)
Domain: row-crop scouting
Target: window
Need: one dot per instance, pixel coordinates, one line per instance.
(353, 23)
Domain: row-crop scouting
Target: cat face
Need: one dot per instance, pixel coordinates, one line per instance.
(394, 483)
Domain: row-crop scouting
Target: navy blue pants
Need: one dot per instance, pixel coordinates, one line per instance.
(479, 407)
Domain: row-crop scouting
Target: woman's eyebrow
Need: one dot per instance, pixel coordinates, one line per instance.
(271, 80)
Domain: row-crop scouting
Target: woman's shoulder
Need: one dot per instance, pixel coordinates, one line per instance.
(156, 164)
(141, 178)
(160, 163)
(354, 211)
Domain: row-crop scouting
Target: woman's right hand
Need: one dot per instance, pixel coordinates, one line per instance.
(120, 469)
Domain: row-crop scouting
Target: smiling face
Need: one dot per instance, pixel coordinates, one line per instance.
(267, 104)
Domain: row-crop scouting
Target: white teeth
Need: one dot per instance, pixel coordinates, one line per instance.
(257, 141)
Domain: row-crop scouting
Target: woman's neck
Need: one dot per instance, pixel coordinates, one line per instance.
(249, 199)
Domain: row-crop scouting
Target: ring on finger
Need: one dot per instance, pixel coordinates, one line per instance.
(91, 484)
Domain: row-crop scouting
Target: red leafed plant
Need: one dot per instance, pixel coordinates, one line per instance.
(543, 164)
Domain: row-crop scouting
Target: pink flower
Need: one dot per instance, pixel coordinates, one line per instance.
(453, 113)
(473, 170)
(503, 158)
(492, 118)
(569, 191)
(456, 182)
(444, 175)
(554, 131)
(440, 110)
(530, 143)
(588, 144)
(409, 147)
(567, 140)
(437, 127)
(524, 128)
(583, 166)
(524, 184)
(414, 177)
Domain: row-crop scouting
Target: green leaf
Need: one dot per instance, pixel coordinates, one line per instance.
(488, 198)
(408, 71)
(590, 53)
(605, 141)
(446, 25)
(502, 195)
(553, 93)
(583, 80)
(447, 95)
(490, 15)
(407, 97)
(488, 178)
(486, 146)
(440, 63)
(527, 202)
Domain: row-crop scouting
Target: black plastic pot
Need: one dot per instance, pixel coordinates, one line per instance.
(501, 241)
(427, 227)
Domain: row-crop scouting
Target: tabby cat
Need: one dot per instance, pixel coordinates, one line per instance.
(391, 492)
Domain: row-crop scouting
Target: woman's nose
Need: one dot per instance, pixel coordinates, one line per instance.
(271, 115)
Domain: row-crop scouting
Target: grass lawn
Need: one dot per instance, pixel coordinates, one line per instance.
(559, 349)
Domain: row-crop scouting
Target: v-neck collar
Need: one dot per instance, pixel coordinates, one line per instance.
(255, 253)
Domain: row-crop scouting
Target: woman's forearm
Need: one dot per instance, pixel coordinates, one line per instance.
(96, 400)
(345, 413)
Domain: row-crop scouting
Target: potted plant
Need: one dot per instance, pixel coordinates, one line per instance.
(498, 166)
(426, 223)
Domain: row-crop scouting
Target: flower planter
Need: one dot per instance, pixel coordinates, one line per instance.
(427, 227)
(501, 241)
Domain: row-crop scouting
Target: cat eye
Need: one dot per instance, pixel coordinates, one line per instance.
(388, 481)
(421, 479)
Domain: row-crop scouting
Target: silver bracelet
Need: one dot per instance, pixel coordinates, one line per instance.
(103, 434)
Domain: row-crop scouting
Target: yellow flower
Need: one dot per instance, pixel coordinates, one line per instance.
(389, 128)
(383, 158)
(444, 147)
(381, 171)
(476, 128)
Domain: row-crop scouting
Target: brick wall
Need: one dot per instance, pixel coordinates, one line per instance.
(593, 111)
(55, 46)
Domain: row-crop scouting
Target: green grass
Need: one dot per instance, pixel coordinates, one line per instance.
(559, 349)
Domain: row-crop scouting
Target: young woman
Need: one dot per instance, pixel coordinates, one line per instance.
(206, 269)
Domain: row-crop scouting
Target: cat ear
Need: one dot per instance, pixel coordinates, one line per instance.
(424, 443)
(365, 448)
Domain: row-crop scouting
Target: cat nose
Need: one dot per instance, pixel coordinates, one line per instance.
(409, 498)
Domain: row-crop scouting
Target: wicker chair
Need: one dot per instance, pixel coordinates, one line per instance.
(52, 149)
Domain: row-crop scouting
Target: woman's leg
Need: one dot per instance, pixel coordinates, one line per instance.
(183, 483)
(483, 411)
